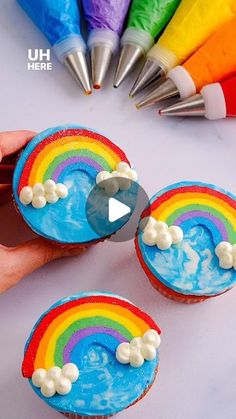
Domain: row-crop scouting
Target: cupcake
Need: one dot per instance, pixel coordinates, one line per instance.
(187, 247)
(56, 174)
(92, 355)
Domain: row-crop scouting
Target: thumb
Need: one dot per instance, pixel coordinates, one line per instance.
(20, 261)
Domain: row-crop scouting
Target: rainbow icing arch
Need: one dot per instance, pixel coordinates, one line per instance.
(67, 150)
(103, 319)
(186, 205)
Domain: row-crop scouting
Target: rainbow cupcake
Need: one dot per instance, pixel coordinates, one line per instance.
(187, 247)
(92, 355)
(55, 175)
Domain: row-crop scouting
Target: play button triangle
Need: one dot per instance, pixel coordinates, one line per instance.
(117, 210)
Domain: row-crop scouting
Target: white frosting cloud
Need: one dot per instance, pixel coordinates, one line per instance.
(139, 349)
(41, 194)
(157, 233)
(56, 379)
(226, 253)
(120, 179)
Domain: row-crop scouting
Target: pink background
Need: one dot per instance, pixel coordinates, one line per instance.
(197, 355)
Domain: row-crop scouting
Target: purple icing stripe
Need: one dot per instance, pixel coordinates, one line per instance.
(73, 160)
(193, 214)
(106, 14)
(81, 334)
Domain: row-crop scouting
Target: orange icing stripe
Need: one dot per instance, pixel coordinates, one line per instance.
(216, 59)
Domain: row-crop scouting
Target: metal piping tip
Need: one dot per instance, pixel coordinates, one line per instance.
(100, 61)
(77, 65)
(165, 91)
(193, 106)
(129, 56)
(151, 72)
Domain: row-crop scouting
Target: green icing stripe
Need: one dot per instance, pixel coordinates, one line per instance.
(74, 153)
(173, 217)
(83, 324)
(151, 16)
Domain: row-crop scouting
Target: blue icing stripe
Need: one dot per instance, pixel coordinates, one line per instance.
(191, 268)
(57, 21)
(66, 221)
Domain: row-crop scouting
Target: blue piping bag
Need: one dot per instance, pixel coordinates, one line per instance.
(60, 22)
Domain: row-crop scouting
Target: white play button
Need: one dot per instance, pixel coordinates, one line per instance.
(117, 210)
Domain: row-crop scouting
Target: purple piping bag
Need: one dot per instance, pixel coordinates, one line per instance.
(105, 20)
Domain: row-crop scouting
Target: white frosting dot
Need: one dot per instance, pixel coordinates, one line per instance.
(52, 197)
(148, 351)
(150, 237)
(54, 373)
(136, 358)
(133, 175)
(152, 337)
(38, 377)
(122, 176)
(63, 386)
(112, 187)
(176, 234)
(39, 201)
(101, 176)
(164, 241)
(48, 388)
(147, 223)
(234, 251)
(226, 261)
(123, 353)
(26, 195)
(136, 343)
(71, 372)
(50, 185)
(38, 189)
(123, 167)
(124, 183)
(61, 190)
(161, 227)
(223, 248)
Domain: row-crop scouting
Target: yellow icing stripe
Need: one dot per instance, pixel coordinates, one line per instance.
(49, 351)
(163, 214)
(40, 166)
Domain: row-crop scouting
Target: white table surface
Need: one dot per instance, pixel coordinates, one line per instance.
(197, 378)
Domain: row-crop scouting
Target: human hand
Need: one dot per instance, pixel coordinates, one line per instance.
(19, 261)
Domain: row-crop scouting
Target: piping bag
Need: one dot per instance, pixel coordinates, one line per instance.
(105, 19)
(60, 22)
(147, 18)
(214, 61)
(194, 22)
(215, 101)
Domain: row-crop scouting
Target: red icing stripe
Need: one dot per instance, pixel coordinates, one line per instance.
(229, 89)
(61, 134)
(30, 354)
(186, 189)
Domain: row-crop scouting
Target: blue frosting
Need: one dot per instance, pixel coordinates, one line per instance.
(56, 19)
(191, 268)
(105, 387)
(66, 221)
